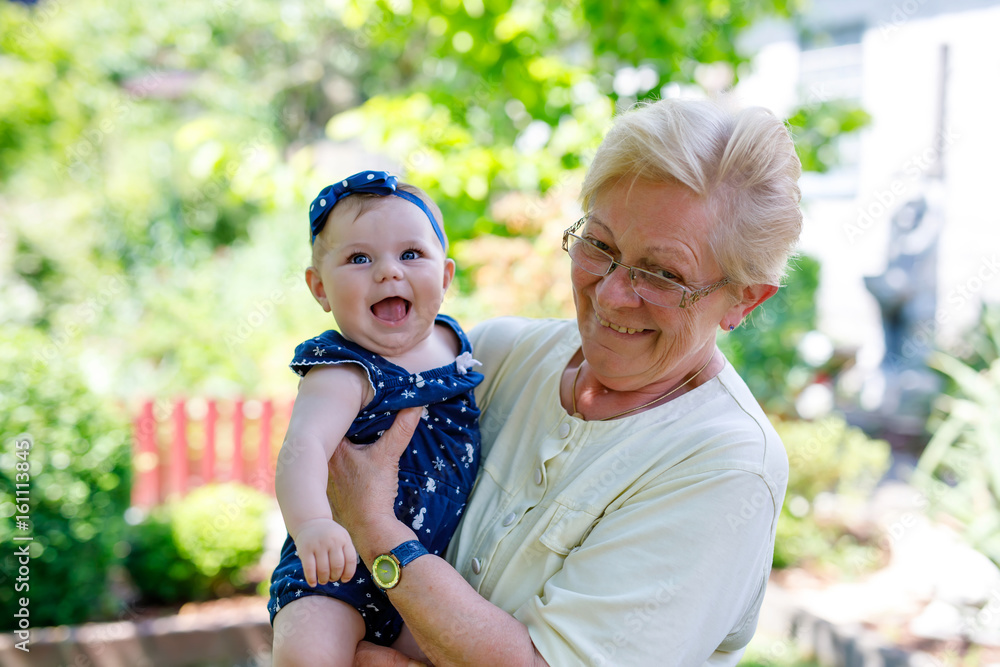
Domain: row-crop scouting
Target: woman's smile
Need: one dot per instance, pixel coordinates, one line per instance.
(620, 328)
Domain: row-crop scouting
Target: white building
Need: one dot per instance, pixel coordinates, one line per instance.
(887, 56)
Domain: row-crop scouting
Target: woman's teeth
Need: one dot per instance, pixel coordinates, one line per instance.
(624, 330)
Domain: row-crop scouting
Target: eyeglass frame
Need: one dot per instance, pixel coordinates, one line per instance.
(688, 296)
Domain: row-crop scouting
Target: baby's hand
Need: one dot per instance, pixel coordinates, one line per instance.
(326, 551)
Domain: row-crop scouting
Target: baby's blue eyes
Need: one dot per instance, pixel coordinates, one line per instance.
(365, 259)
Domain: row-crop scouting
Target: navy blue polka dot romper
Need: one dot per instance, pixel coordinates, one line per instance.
(436, 473)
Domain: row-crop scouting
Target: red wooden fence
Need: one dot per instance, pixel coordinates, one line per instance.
(182, 444)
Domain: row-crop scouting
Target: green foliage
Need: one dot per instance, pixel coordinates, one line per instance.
(764, 350)
(171, 150)
(764, 651)
(221, 528)
(156, 566)
(200, 545)
(817, 128)
(510, 94)
(959, 469)
(825, 457)
(79, 470)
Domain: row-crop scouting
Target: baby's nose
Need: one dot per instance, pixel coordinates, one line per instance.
(388, 270)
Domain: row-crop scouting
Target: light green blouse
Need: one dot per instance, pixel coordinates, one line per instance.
(645, 540)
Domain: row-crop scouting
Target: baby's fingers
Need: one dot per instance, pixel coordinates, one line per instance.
(350, 562)
(308, 568)
(323, 567)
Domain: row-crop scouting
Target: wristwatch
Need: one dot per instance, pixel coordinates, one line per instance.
(386, 568)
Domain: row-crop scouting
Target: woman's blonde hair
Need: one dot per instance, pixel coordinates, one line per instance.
(742, 164)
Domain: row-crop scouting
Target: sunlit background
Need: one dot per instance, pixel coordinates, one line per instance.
(156, 161)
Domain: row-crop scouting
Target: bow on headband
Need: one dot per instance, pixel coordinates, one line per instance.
(366, 182)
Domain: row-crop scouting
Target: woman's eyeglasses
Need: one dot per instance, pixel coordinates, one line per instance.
(654, 288)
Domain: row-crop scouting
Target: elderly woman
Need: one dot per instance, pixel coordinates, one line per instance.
(625, 511)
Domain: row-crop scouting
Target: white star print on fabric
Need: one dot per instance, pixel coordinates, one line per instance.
(438, 464)
(318, 351)
(409, 394)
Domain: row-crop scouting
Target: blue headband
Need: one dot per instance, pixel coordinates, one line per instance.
(366, 182)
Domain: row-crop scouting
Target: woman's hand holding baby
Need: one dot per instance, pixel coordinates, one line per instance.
(326, 551)
(367, 481)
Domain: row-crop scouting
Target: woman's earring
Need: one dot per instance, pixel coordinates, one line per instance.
(731, 327)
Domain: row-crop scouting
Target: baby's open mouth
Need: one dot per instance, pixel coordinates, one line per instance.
(392, 309)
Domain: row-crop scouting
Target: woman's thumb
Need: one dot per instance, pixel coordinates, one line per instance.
(398, 436)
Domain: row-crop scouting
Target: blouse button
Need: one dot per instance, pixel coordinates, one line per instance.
(509, 519)
(476, 566)
(538, 475)
(564, 430)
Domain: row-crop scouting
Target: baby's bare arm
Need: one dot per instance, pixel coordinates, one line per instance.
(328, 400)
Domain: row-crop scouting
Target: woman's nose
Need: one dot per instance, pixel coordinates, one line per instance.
(615, 289)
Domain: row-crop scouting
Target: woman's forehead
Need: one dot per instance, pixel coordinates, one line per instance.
(657, 220)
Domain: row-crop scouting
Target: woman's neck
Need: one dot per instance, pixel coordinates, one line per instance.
(585, 396)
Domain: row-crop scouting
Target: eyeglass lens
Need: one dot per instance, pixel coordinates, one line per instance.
(654, 289)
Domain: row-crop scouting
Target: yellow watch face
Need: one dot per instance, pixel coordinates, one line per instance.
(385, 570)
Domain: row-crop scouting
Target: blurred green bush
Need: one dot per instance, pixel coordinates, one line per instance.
(827, 460)
(80, 475)
(200, 546)
(959, 470)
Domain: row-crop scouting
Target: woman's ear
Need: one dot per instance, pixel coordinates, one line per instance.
(751, 297)
(315, 283)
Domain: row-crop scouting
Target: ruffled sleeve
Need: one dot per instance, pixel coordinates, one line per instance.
(330, 348)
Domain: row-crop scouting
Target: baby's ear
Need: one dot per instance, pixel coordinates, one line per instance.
(315, 283)
(449, 272)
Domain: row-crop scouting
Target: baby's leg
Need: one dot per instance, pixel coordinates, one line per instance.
(317, 631)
